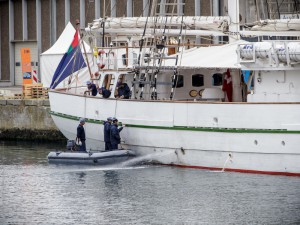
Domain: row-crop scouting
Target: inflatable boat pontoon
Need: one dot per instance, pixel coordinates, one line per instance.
(101, 158)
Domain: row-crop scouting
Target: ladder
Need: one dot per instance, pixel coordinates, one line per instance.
(156, 54)
(167, 8)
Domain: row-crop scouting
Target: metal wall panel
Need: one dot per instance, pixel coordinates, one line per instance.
(18, 29)
(31, 19)
(45, 14)
(60, 16)
(4, 43)
(74, 11)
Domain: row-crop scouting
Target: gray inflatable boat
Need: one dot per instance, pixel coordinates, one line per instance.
(101, 158)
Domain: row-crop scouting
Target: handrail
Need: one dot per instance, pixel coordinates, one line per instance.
(168, 46)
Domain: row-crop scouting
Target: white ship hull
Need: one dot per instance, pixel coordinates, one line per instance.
(242, 137)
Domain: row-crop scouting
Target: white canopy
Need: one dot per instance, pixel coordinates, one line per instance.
(50, 59)
(223, 56)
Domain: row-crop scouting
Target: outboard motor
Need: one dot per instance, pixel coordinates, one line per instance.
(71, 145)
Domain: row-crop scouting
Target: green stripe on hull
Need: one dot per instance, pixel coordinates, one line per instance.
(206, 129)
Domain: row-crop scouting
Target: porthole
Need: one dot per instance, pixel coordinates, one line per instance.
(283, 143)
(255, 142)
(200, 92)
(193, 93)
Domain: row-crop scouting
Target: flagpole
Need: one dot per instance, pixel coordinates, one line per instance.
(86, 58)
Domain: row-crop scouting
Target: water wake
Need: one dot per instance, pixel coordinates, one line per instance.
(115, 167)
(153, 158)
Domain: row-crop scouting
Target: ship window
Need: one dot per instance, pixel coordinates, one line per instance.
(178, 82)
(124, 60)
(108, 81)
(217, 79)
(134, 58)
(198, 80)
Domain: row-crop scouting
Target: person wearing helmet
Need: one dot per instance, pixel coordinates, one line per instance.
(107, 127)
(115, 138)
(91, 88)
(81, 134)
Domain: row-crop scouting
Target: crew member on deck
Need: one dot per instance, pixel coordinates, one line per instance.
(104, 92)
(115, 138)
(122, 91)
(107, 127)
(91, 88)
(81, 134)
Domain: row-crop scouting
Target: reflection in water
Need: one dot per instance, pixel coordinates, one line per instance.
(81, 176)
(35, 192)
(111, 179)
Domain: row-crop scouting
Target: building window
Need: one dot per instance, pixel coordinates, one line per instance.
(178, 81)
(217, 79)
(198, 80)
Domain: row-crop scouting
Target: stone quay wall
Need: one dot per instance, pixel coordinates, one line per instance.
(27, 119)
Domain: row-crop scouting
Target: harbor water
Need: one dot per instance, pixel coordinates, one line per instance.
(36, 192)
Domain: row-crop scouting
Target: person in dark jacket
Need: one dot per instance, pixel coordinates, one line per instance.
(115, 138)
(92, 88)
(122, 91)
(81, 134)
(104, 92)
(107, 126)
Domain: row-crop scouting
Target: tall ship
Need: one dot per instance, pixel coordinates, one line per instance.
(229, 107)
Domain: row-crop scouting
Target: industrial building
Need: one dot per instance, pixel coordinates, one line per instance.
(36, 24)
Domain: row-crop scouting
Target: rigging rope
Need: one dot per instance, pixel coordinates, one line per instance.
(137, 71)
(176, 61)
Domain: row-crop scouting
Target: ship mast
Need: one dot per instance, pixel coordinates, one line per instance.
(234, 24)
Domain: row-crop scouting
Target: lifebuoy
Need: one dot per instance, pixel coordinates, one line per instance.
(101, 59)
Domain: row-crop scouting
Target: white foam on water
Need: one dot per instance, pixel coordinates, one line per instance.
(106, 168)
(116, 167)
(149, 158)
(215, 171)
